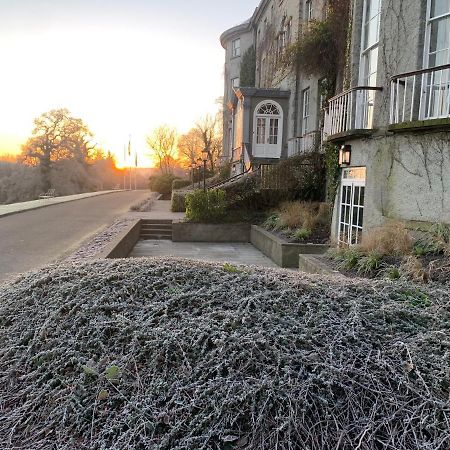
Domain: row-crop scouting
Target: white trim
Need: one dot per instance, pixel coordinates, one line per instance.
(268, 150)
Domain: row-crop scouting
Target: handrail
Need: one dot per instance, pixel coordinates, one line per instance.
(420, 72)
(356, 88)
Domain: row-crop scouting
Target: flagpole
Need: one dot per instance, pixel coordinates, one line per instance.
(125, 167)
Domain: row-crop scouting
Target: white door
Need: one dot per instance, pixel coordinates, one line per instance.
(268, 130)
(351, 211)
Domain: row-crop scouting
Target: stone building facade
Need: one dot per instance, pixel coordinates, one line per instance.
(279, 115)
(392, 125)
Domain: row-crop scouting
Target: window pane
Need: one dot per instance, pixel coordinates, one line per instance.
(261, 131)
(439, 7)
(273, 133)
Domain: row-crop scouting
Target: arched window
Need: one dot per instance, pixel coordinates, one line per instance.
(268, 130)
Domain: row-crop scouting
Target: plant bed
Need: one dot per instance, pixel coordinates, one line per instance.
(281, 252)
(173, 354)
(393, 252)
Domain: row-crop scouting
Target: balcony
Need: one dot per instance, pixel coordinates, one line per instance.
(304, 144)
(420, 99)
(350, 113)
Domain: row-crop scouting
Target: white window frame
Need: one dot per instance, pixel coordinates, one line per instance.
(306, 106)
(365, 100)
(308, 10)
(236, 49)
(266, 149)
(349, 233)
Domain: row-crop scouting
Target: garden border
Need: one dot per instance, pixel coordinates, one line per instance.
(284, 254)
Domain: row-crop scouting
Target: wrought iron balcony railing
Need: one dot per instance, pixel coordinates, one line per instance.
(351, 110)
(420, 95)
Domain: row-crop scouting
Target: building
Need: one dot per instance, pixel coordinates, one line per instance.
(392, 124)
(277, 115)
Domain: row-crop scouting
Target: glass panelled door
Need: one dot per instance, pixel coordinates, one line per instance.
(268, 130)
(435, 102)
(352, 206)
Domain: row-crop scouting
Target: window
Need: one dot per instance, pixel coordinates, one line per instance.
(369, 61)
(236, 48)
(436, 89)
(235, 82)
(351, 217)
(308, 14)
(305, 116)
(268, 124)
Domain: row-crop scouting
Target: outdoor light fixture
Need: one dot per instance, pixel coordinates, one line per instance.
(345, 155)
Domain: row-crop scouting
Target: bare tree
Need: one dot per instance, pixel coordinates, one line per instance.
(210, 130)
(56, 136)
(190, 146)
(163, 145)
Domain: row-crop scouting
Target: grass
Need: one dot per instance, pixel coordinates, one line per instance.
(299, 219)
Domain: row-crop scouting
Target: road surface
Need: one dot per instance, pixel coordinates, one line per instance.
(35, 238)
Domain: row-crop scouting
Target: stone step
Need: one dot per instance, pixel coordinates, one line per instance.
(148, 237)
(156, 228)
(156, 221)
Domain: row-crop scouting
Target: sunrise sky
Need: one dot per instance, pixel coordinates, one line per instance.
(123, 66)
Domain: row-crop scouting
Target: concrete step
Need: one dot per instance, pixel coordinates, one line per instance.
(156, 221)
(165, 237)
(156, 228)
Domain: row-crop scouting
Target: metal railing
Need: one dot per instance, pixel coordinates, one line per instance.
(420, 95)
(351, 110)
(304, 144)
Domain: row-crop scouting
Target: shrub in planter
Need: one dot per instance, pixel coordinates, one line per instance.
(209, 206)
(179, 201)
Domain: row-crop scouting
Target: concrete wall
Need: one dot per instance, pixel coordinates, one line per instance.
(121, 245)
(282, 253)
(200, 232)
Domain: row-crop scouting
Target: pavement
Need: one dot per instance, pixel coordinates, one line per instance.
(38, 237)
(160, 210)
(15, 208)
(232, 253)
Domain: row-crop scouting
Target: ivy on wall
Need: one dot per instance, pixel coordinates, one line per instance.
(322, 48)
(333, 170)
(248, 68)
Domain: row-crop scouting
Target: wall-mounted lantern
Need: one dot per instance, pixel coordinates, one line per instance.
(345, 155)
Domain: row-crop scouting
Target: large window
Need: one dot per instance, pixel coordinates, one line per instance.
(236, 48)
(308, 11)
(268, 130)
(351, 214)
(305, 110)
(369, 61)
(436, 85)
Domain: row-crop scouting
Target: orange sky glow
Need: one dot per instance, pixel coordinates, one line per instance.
(122, 78)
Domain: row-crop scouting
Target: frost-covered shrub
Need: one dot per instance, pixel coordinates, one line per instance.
(206, 206)
(168, 354)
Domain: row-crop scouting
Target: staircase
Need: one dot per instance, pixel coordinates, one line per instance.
(156, 229)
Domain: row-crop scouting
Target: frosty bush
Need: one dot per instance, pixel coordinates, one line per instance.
(167, 354)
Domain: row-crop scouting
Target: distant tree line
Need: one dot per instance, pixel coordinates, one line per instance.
(59, 155)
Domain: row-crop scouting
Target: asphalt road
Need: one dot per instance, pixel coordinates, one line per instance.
(32, 239)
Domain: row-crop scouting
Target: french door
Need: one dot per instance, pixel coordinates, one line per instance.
(268, 130)
(351, 211)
